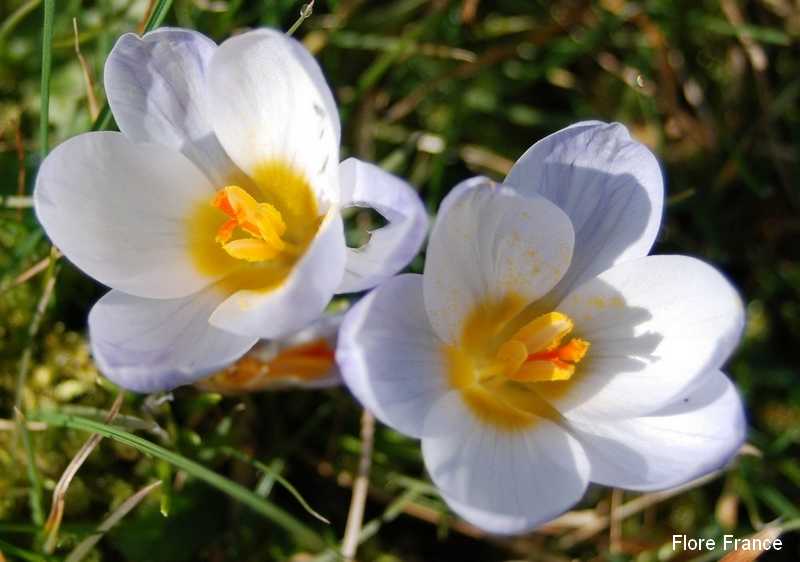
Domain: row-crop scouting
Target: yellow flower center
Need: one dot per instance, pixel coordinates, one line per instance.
(536, 354)
(254, 230)
(307, 362)
(262, 221)
(506, 379)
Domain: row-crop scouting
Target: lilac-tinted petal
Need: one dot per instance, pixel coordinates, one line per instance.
(390, 358)
(699, 432)
(609, 185)
(148, 345)
(393, 246)
(156, 87)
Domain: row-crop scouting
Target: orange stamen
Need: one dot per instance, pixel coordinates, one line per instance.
(261, 221)
(535, 352)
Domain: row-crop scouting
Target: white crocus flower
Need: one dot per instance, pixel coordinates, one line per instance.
(543, 349)
(301, 360)
(215, 214)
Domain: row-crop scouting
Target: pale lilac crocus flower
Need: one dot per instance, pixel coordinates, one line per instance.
(543, 349)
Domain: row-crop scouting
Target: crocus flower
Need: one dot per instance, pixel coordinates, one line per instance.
(542, 349)
(214, 215)
(301, 360)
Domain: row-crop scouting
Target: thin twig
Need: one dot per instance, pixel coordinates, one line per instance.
(80, 551)
(360, 487)
(60, 491)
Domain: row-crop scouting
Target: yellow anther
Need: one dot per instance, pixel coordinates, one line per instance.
(544, 332)
(250, 249)
(512, 354)
(535, 353)
(261, 221)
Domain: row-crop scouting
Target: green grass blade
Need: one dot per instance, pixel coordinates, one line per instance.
(16, 17)
(47, 63)
(103, 120)
(303, 534)
(22, 554)
(160, 11)
(258, 465)
(35, 495)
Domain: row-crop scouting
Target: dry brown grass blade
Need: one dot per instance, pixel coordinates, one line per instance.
(16, 202)
(11, 425)
(630, 508)
(83, 548)
(32, 271)
(759, 61)
(491, 56)
(94, 108)
(766, 535)
(59, 493)
(360, 488)
(615, 528)
(151, 4)
(482, 158)
(469, 9)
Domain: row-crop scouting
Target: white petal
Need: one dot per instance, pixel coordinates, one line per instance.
(488, 243)
(299, 299)
(390, 358)
(392, 247)
(654, 325)
(120, 210)
(697, 434)
(148, 345)
(610, 186)
(503, 481)
(156, 87)
(271, 102)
